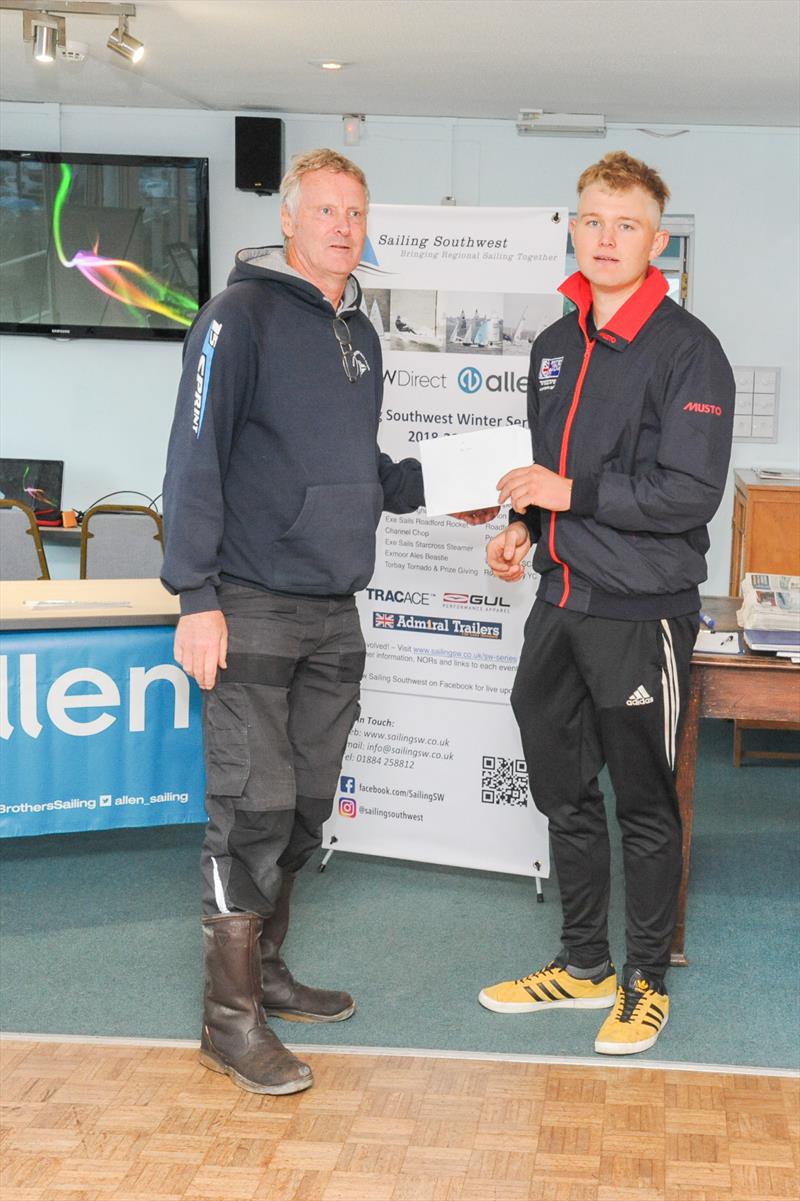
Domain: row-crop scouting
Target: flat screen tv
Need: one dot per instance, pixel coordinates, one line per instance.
(102, 245)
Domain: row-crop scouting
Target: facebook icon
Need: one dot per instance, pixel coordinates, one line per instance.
(348, 785)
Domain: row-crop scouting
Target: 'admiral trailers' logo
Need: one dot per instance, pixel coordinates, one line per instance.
(419, 623)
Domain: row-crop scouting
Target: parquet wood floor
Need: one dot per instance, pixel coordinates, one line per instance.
(118, 1122)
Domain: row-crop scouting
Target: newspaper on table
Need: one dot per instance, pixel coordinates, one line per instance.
(770, 602)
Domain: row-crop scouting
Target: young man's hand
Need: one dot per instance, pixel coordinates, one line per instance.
(535, 485)
(201, 646)
(477, 516)
(505, 552)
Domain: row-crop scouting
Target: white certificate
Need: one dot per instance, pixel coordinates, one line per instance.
(461, 471)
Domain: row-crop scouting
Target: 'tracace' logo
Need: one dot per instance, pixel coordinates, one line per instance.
(694, 407)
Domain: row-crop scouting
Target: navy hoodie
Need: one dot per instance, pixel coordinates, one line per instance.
(274, 477)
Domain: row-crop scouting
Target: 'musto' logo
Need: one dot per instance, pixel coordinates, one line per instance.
(469, 380)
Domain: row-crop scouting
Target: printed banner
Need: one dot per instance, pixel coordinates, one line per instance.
(98, 729)
(434, 768)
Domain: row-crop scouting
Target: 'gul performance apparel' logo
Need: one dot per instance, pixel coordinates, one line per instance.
(694, 407)
(203, 376)
(550, 368)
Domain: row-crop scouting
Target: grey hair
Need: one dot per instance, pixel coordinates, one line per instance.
(316, 160)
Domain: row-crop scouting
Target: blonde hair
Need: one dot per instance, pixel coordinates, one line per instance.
(316, 160)
(618, 171)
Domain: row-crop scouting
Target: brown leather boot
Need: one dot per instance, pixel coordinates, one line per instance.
(236, 1038)
(283, 997)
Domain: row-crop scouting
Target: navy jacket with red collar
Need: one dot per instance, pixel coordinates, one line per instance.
(639, 415)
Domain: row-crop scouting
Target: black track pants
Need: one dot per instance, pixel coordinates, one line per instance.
(275, 729)
(590, 691)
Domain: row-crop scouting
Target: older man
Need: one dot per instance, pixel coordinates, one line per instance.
(274, 488)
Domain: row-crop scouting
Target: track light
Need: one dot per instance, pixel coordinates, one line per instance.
(44, 42)
(46, 30)
(124, 43)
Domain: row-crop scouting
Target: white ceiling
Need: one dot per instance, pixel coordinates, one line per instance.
(673, 62)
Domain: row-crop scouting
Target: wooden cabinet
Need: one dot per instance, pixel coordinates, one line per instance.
(766, 527)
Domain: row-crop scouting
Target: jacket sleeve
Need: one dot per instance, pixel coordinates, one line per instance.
(684, 487)
(403, 490)
(213, 395)
(532, 517)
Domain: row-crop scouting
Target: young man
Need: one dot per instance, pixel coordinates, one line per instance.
(630, 404)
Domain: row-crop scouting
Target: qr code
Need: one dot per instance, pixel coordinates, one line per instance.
(503, 781)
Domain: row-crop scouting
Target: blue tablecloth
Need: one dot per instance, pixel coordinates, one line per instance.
(99, 728)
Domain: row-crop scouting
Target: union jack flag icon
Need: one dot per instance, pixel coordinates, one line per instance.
(551, 368)
(384, 619)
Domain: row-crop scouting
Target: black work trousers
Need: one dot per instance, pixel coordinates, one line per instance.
(275, 729)
(591, 691)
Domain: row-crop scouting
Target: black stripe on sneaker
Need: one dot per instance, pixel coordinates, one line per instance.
(568, 995)
(532, 992)
(547, 992)
(652, 1025)
(654, 1009)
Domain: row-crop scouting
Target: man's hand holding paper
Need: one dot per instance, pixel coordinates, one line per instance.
(477, 516)
(461, 471)
(535, 485)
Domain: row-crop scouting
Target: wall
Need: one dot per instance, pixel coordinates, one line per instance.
(105, 408)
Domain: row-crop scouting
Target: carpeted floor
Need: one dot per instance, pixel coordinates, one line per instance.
(100, 935)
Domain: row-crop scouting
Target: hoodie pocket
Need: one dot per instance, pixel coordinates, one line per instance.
(330, 548)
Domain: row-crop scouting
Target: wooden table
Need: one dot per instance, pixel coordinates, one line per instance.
(748, 687)
(77, 604)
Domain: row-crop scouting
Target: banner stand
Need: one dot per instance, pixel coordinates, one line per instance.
(434, 770)
(333, 840)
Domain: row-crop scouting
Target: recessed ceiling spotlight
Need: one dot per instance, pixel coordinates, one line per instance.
(327, 64)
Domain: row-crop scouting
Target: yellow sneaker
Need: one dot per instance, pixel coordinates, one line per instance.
(551, 988)
(639, 1016)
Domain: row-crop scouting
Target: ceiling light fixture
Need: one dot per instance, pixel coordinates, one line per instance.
(124, 43)
(44, 41)
(533, 122)
(46, 29)
(351, 128)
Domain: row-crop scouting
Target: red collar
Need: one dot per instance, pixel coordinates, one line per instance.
(629, 319)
